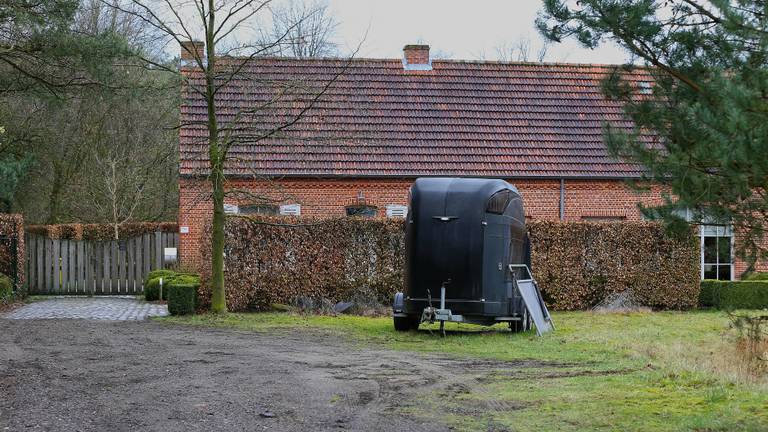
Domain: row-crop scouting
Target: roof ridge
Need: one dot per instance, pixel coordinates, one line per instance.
(450, 61)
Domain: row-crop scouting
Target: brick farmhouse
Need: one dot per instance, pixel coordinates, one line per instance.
(371, 126)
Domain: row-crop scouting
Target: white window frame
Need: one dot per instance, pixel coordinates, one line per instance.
(704, 230)
(290, 209)
(231, 209)
(720, 231)
(397, 211)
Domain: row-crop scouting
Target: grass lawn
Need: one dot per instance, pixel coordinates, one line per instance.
(660, 371)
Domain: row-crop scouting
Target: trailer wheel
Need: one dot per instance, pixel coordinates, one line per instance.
(406, 323)
(402, 323)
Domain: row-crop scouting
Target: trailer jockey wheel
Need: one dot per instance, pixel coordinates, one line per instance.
(517, 326)
(524, 324)
(442, 328)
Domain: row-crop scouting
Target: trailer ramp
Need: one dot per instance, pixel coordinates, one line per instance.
(531, 295)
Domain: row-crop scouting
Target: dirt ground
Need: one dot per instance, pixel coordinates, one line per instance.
(78, 375)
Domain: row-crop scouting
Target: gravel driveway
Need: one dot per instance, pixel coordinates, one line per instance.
(84, 375)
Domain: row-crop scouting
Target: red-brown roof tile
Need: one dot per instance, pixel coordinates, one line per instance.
(460, 119)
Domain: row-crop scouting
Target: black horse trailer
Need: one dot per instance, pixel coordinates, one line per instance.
(467, 257)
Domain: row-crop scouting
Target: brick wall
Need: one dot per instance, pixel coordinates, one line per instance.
(740, 266)
(604, 199)
(584, 200)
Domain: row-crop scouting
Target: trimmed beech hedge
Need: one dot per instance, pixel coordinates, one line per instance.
(746, 294)
(578, 264)
(100, 232)
(278, 259)
(268, 262)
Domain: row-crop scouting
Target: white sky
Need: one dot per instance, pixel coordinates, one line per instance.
(462, 29)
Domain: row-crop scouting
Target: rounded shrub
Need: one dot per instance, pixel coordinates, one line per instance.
(152, 289)
(182, 298)
(6, 289)
(186, 278)
(169, 277)
(160, 273)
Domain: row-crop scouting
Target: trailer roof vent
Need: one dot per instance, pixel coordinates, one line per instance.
(499, 201)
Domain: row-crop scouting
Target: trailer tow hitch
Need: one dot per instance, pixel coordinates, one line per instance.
(430, 314)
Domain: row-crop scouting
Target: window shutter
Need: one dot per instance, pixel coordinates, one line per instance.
(231, 209)
(290, 210)
(397, 211)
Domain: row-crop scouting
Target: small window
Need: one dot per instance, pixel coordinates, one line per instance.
(362, 210)
(231, 209)
(259, 209)
(397, 211)
(646, 88)
(499, 201)
(290, 210)
(716, 252)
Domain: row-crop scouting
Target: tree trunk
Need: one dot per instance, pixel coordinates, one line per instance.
(217, 157)
(218, 299)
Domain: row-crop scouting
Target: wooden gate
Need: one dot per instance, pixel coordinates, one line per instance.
(94, 267)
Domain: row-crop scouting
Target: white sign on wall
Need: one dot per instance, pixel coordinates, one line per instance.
(184, 230)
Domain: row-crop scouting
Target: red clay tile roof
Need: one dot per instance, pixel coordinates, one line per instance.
(460, 119)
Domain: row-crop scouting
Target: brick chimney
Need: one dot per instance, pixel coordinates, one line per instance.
(188, 50)
(416, 57)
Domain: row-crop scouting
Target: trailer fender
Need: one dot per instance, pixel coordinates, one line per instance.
(398, 307)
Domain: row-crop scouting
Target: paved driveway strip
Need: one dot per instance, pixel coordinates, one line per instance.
(95, 308)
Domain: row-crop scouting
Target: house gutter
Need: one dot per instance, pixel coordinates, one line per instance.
(562, 199)
(405, 177)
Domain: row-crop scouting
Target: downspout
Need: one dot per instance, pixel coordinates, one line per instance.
(562, 199)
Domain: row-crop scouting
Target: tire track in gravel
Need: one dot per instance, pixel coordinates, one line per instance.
(68, 375)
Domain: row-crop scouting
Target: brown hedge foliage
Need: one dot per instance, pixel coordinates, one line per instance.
(276, 259)
(578, 264)
(12, 230)
(268, 262)
(99, 232)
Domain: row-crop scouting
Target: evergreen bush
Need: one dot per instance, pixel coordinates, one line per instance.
(182, 297)
(745, 294)
(169, 277)
(6, 289)
(757, 276)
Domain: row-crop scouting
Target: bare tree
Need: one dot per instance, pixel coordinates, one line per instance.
(304, 29)
(441, 54)
(93, 18)
(521, 51)
(219, 62)
(121, 183)
(132, 161)
(56, 137)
